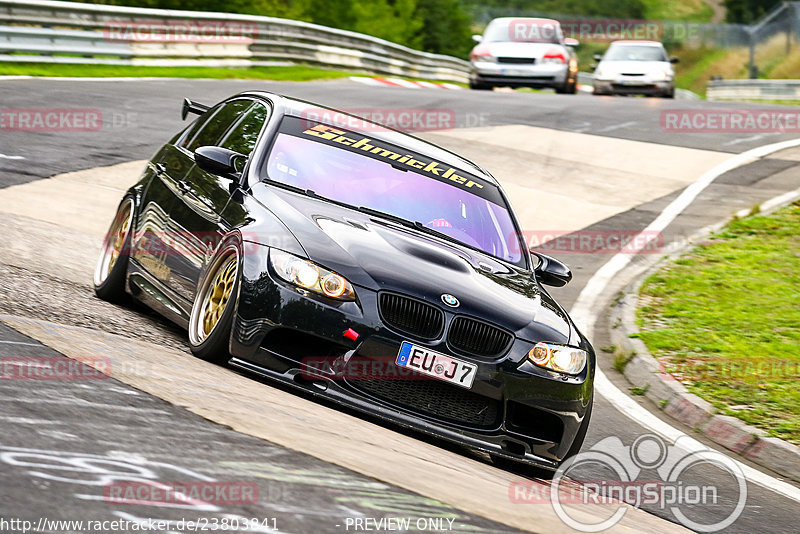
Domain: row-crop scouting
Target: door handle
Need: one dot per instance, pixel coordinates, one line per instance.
(160, 168)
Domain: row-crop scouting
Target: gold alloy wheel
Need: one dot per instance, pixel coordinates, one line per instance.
(216, 296)
(114, 243)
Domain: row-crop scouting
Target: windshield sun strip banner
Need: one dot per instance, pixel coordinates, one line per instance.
(397, 157)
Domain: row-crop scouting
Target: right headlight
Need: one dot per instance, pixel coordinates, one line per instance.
(559, 358)
(308, 275)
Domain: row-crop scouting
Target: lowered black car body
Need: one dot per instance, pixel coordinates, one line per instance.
(232, 233)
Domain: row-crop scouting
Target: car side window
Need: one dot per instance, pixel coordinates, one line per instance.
(242, 138)
(212, 130)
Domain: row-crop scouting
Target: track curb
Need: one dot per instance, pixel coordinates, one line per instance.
(644, 372)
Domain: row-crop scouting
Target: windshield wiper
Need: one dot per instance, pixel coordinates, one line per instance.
(390, 217)
(411, 224)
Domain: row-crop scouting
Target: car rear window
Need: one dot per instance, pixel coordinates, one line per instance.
(523, 30)
(360, 171)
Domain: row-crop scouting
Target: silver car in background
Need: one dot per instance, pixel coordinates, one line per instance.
(524, 52)
(635, 67)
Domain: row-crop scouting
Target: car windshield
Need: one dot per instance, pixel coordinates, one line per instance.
(635, 53)
(361, 172)
(523, 31)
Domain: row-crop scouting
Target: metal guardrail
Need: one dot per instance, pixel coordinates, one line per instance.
(754, 90)
(67, 32)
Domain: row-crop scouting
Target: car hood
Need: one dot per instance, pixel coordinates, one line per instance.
(382, 255)
(634, 67)
(521, 50)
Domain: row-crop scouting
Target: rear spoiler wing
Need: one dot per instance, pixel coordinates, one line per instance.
(192, 107)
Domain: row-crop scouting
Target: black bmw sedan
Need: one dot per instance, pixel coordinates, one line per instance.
(360, 264)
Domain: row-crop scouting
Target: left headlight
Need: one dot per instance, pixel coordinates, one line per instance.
(558, 358)
(662, 76)
(310, 276)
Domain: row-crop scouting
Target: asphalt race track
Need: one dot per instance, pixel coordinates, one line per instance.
(175, 418)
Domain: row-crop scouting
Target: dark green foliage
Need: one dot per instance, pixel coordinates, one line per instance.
(440, 26)
(748, 11)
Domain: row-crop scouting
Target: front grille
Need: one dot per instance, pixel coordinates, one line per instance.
(631, 74)
(411, 316)
(517, 60)
(477, 338)
(435, 398)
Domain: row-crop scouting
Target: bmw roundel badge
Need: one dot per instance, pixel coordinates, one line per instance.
(450, 300)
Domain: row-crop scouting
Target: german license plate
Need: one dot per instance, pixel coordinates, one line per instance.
(436, 365)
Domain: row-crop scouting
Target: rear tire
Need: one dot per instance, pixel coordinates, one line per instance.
(112, 266)
(212, 312)
(569, 88)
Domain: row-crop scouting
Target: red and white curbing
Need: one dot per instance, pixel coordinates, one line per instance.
(397, 82)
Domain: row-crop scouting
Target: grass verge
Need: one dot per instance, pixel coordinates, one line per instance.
(290, 73)
(724, 320)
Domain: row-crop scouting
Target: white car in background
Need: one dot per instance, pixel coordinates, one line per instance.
(524, 52)
(635, 67)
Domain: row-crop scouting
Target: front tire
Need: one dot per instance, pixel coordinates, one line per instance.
(212, 312)
(112, 266)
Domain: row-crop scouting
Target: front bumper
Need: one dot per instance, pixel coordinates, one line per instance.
(514, 409)
(512, 75)
(633, 87)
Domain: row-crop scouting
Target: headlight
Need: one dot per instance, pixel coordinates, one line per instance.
(600, 74)
(661, 76)
(310, 276)
(559, 358)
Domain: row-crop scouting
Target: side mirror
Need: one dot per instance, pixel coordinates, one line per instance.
(477, 38)
(217, 160)
(552, 272)
(569, 41)
(674, 60)
(597, 57)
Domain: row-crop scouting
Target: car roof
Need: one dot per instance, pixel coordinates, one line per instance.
(524, 19)
(301, 108)
(634, 42)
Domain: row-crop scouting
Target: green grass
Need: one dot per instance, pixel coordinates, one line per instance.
(296, 73)
(724, 319)
(293, 73)
(691, 10)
